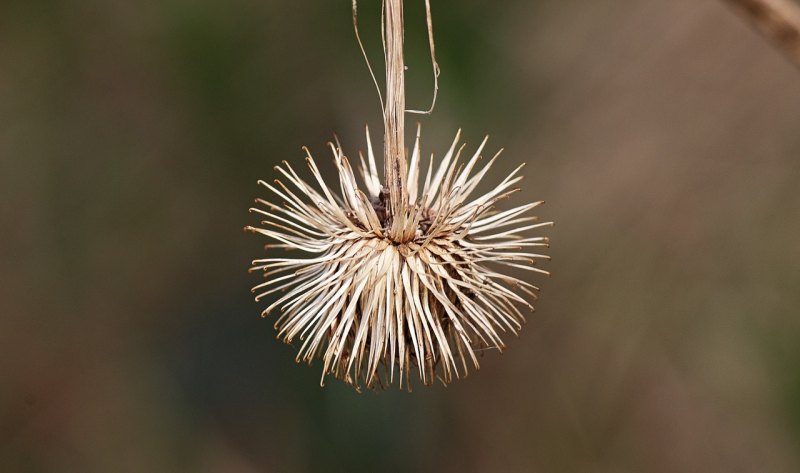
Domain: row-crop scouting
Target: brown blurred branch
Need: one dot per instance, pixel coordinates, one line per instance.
(777, 20)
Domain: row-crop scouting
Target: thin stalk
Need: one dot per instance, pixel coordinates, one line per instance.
(395, 166)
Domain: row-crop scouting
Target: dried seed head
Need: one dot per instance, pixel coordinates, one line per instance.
(419, 288)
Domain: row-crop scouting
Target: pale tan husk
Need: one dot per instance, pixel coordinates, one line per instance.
(376, 293)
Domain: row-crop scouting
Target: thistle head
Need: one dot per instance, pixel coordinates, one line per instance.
(379, 283)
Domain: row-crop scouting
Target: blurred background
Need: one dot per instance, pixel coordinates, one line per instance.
(664, 137)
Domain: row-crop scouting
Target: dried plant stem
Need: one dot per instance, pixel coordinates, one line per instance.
(401, 275)
(777, 20)
(394, 114)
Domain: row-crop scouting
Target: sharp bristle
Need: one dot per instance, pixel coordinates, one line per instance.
(372, 291)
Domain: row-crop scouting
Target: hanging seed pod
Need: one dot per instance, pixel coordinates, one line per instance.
(411, 274)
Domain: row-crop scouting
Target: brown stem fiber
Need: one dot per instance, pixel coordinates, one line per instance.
(395, 170)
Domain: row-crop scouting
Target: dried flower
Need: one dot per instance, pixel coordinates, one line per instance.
(397, 276)
(411, 284)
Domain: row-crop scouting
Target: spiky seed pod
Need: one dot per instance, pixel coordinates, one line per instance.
(421, 288)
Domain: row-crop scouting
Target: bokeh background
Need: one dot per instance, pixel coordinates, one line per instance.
(664, 136)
